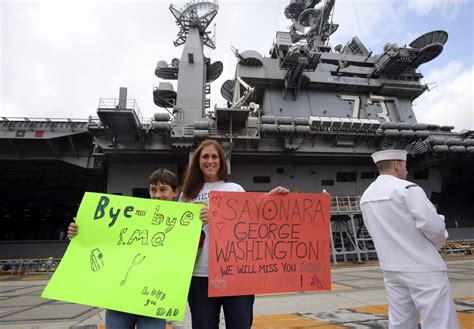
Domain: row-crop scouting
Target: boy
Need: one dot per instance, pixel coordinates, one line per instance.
(163, 186)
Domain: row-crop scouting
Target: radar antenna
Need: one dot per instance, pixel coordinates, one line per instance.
(196, 14)
(303, 14)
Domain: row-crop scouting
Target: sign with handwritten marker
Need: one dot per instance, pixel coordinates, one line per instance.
(262, 244)
(131, 255)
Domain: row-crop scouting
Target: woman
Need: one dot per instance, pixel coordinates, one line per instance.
(208, 172)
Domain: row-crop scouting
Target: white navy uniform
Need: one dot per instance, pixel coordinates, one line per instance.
(407, 233)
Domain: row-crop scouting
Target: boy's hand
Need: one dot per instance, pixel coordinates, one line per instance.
(279, 190)
(72, 230)
(204, 215)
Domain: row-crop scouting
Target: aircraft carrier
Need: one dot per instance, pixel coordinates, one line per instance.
(306, 116)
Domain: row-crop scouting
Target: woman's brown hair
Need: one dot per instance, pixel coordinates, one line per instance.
(194, 178)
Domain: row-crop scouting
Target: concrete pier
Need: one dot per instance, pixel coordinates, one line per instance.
(358, 300)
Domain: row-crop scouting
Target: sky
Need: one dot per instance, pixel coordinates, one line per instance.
(59, 57)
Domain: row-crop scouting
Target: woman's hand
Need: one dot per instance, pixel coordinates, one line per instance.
(204, 215)
(279, 191)
(72, 230)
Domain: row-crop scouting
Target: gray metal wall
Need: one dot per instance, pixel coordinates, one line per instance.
(308, 178)
(124, 176)
(33, 249)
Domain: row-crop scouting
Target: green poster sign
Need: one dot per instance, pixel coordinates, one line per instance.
(131, 255)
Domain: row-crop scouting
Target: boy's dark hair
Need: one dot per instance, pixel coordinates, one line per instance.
(164, 176)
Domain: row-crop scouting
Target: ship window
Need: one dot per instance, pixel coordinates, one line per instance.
(280, 170)
(327, 182)
(422, 174)
(367, 175)
(346, 177)
(141, 193)
(261, 179)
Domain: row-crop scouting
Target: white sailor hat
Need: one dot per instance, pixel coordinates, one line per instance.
(389, 155)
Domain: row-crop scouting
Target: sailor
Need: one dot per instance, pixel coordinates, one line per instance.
(407, 233)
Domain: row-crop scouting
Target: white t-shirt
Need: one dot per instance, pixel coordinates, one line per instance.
(201, 267)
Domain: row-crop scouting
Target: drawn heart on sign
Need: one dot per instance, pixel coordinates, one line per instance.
(216, 200)
(220, 226)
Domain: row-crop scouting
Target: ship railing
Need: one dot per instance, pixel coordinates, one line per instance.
(118, 104)
(28, 265)
(345, 204)
(94, 122)
(146, 121)
(458, 248)
(55, 120)
(12, 123)
(191, 131)
(245, 133)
